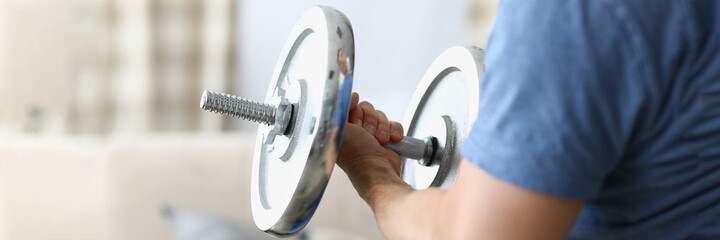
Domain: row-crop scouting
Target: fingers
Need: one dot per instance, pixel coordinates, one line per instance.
(356, 117)
(383, 128)
(369, 119)
(374, 121)
(356, 114)
(396, 131)
(354, 99)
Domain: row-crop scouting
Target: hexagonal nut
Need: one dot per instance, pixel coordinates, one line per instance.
(282, 120)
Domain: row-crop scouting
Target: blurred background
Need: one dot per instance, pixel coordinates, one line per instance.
(101, 136)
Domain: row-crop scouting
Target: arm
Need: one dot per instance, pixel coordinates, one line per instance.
(478, 206)
(563, 92)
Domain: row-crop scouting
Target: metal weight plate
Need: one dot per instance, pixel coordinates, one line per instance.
(444, 105)
(314, 73)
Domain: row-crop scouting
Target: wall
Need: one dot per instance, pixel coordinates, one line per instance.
(395, 42)
(134, 66)
(112, 66)
(128, 67)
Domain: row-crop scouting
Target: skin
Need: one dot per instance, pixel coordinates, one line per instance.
(478, 206)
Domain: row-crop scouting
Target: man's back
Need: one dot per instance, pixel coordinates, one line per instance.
(613, 102)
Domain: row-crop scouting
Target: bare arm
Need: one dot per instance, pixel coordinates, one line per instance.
(478, 206)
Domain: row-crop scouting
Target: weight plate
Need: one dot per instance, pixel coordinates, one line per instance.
(314, 73)
(444, 105)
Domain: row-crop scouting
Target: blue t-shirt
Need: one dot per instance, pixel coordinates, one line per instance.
(616, 103)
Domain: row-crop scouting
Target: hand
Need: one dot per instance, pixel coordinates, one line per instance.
(363, 116)
(362, 155)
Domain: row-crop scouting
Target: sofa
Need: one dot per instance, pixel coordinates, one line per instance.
(136, 186)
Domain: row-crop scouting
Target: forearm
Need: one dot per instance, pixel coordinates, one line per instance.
(401, 211)
(411, 214)
(478, 206)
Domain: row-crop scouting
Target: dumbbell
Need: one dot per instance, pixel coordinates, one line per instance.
(305, 111)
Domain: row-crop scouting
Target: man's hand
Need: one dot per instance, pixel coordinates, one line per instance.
(362, 155)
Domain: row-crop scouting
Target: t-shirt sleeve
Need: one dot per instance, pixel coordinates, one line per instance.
(559, 97)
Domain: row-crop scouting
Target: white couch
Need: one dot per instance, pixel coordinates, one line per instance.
(117, 187)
